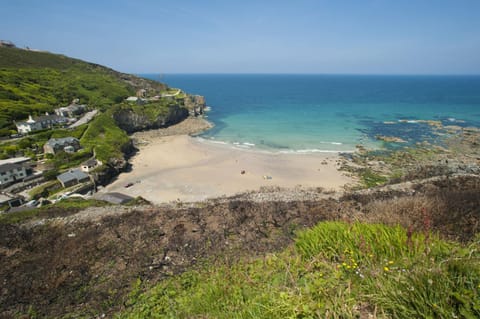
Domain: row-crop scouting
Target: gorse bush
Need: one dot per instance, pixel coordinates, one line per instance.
(335, 270)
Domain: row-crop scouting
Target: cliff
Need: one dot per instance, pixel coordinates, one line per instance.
(131, 120)
(157, 112)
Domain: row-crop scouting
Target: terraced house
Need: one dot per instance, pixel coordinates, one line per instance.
(39, 123)
(11, 173)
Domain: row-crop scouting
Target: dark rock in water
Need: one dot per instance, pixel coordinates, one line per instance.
(390, 139)
(404, 133)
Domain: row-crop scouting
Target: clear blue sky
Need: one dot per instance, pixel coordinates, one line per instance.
(248, 36)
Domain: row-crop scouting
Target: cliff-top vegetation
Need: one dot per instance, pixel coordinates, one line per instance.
(335, 270)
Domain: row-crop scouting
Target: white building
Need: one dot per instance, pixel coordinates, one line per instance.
(28, 126)
(11, 173)
(39, 123)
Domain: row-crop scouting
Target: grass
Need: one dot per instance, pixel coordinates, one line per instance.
(335, 270)
(105, 138)
(45, 189)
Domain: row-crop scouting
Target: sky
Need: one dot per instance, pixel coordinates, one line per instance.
(248, 36)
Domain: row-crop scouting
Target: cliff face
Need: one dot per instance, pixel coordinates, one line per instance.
(151, 113)
(195, 103)
(132, 121)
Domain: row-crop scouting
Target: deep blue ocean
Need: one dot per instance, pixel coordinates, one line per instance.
(314, 113)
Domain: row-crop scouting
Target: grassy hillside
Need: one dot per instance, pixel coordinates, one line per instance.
(36, 82)
(335, 270)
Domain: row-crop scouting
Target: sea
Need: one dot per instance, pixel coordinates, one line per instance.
(329, 113)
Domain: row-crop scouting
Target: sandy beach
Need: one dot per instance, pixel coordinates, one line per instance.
(181, 167)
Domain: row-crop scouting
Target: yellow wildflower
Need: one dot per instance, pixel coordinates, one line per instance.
(386, 268)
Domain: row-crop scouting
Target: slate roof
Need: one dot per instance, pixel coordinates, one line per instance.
(14, 160)
(72, 175)
(90, 162)
(114, 197)
(62, 141)
(54, 118)
(8, 167)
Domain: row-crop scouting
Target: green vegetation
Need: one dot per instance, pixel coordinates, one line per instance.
(32, 144)
(63, 160)
(151, 110)
(46, 189)
(36, 82)
(371, 179)
(105, 138)
(335, 270)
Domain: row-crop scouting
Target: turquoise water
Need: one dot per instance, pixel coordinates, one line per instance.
(316, 113)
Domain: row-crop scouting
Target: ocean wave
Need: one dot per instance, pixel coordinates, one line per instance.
(331, 143)
(253, 147)
(218, 142)
(311, 150)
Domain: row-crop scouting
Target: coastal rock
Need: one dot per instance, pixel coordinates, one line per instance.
(113, 167)
(195, 103)
(131, 121)
(390, 139)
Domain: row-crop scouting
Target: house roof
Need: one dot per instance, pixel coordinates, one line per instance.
(90, 162)
(42, 118)
(114, 197)
(8, 167)
(14, 160)
(50, 117)
(72, 175)
(62, 141)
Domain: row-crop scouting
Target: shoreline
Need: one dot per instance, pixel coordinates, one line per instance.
(171, 165)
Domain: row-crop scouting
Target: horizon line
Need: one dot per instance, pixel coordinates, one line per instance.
(323, 74)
